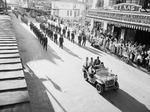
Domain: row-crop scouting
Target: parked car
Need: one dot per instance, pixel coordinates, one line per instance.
(103, 80)
(95, 43)
(40, 19)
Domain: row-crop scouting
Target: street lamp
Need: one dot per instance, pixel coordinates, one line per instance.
(5, 5)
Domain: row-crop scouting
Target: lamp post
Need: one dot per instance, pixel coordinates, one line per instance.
(5, 5)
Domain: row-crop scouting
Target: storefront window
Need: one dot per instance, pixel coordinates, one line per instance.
(67, 12)
(70, 12)
(120, 1)
(145, 3)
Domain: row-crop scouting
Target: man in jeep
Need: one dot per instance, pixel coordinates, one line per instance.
(97, 63)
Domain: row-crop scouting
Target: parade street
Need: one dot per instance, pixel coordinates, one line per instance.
(56, 84)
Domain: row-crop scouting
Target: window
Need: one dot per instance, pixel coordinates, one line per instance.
(67, 12)
(145, 4)
(120, 1)
(70, 12)
(76, 12)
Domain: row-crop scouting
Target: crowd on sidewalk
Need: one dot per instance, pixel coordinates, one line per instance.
(127, 51)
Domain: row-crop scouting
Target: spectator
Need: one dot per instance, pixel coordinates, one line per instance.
(139, 59)
(84, 40)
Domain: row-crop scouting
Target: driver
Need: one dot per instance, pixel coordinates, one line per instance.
(91, 68)
(97, 63)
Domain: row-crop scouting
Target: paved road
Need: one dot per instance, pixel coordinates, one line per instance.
(56, 83)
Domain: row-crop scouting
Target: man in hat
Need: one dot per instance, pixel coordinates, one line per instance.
(55, 37)
(68, 34)
(61, 40)
(64, 32)
(72, 36)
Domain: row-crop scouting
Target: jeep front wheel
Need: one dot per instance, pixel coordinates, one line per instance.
(85, 76)
(116, 86)
(100, 88)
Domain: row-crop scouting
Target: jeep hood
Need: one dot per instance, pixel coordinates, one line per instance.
(104, 75)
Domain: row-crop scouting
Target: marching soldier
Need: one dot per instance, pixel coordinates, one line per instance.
(55, 37)
(64, 32)
(45, 42)
(61, 40)
(72, 37)
(59, 29)
(51, 35)
(68, 34)
(79, 39)
(84, 40)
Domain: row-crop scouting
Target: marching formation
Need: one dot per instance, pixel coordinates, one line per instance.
(53, 32)
(56, 31)
(41, 37)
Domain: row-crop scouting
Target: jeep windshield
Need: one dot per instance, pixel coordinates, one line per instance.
(102, 72)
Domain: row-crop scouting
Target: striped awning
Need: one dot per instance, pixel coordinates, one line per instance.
(132, 26)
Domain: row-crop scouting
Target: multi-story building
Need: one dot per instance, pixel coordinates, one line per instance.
(1, 5)
(124, 19)
(88, 3)
(67, 9)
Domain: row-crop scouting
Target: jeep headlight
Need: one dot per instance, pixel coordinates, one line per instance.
(116, 77)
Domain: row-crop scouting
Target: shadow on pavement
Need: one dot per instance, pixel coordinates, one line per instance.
(41, 102)
(70, 52)
(39, 99)
(56, 86)
(30, 45)
(124, 101)
(138, 67)
(97, 52)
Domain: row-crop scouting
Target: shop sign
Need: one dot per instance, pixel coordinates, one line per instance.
(127, 7)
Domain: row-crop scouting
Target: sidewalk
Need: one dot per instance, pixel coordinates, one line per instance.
(13, 90)
(105, 51)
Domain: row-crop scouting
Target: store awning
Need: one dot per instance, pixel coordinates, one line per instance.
(122, 19)
(139, 27)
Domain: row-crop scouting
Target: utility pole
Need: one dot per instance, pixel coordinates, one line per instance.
(6, 6)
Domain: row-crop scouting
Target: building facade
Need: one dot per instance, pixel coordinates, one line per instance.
(123, 19)
(70, 10)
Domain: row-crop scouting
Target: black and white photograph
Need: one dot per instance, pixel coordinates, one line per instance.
(74, 55)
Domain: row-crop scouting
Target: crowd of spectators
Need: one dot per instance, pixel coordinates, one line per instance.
(127, 51)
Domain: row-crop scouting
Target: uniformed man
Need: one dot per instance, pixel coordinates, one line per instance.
(72, 37)
(55, 37)
(61, 40)
(68, 34)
